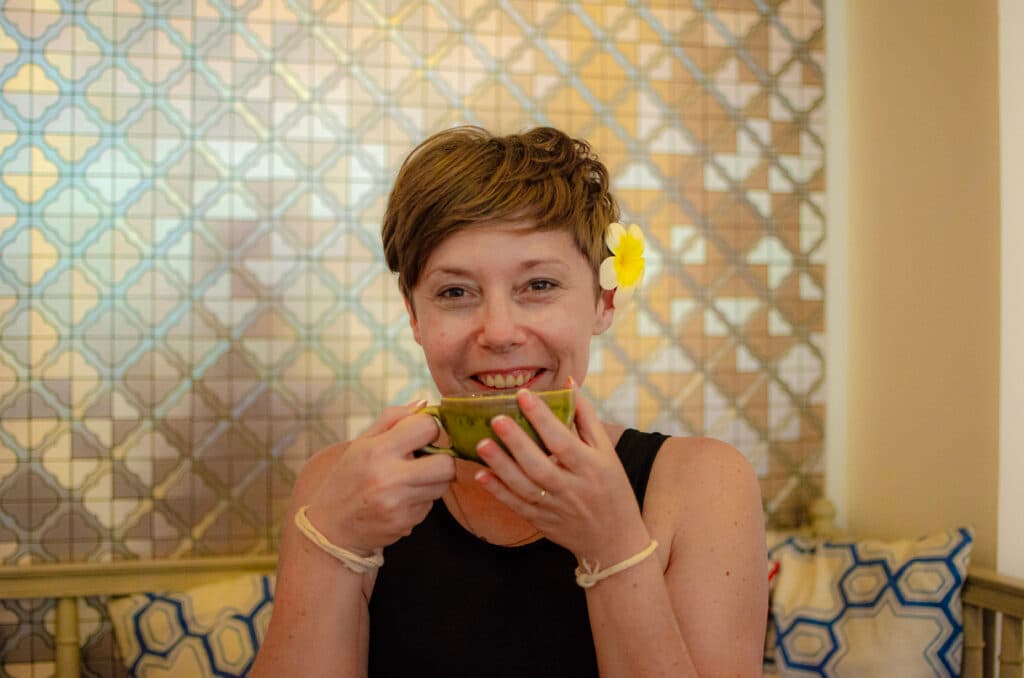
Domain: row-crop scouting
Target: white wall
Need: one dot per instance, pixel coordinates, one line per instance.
(1011, 437)
(837, 301)
(1010, 537)
(914, 218)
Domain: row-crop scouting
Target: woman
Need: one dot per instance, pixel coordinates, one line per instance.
(497, 242)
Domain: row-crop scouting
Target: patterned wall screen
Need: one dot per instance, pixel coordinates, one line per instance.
(192, 296)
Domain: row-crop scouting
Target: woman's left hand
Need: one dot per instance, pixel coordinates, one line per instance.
(579, 496)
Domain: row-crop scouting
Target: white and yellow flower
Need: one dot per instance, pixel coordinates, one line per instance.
(624, 270)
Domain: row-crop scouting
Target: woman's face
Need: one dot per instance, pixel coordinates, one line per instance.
(502, 306)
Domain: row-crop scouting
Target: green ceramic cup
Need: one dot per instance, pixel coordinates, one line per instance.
(467, 419)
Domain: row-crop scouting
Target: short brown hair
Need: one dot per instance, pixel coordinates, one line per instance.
(466, 175)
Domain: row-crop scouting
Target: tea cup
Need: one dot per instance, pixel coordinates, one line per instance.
(466, 420)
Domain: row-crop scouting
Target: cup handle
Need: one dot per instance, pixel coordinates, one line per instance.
(434, 411)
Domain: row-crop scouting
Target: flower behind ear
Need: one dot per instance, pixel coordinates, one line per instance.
(624, 270)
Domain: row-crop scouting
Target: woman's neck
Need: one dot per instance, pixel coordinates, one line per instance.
(481, 514)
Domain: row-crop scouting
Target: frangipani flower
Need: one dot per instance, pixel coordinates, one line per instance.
(624, 270)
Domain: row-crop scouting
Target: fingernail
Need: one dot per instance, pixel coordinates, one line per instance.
(481, 477)
(499, 421)
(570, 382)
(416, 404)
(526, 398)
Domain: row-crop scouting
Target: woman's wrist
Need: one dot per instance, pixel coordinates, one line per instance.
(331, 530)
(358, 563)
(589, 575)
(615, 550)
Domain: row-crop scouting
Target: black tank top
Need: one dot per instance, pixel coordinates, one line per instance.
(447, 603)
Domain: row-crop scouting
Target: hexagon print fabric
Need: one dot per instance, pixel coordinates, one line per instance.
(852, 608)
(209, 630)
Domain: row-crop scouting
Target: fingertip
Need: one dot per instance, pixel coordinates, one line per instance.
(500, 424)
(432, 418)
(486, 449)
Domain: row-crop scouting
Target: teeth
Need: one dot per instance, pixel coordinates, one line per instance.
(505, 380)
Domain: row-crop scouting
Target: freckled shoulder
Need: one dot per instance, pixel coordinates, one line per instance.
(695, 483)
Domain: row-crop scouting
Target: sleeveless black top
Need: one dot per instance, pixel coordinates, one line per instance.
(447, 603)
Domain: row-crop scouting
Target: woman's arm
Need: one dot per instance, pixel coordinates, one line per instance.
(699, 607)
(362, 496)
(320, 621)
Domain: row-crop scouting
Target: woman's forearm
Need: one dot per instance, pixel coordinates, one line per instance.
(361, 496)
(320, 623)
(634, 627)
(700, 607)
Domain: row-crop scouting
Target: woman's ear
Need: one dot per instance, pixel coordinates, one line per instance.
(412, 319)
(605, 311)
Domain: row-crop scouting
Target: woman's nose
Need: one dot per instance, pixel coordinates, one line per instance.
(500, 325)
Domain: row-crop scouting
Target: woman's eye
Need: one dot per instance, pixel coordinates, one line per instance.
(452, 293)
(541, 285)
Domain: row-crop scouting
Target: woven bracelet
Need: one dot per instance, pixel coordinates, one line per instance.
(587, 575)
(353, 561)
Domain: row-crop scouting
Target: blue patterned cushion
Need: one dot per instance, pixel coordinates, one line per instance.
(869, 607)
(209, 630)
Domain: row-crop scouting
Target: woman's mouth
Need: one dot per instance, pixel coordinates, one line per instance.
(507, 379)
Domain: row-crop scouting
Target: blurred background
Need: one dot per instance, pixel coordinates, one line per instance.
(193, 298)
(192, 295)
(193, 301)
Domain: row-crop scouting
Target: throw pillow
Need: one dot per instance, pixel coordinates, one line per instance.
(850, 608)
(209, 630)
(768, 658)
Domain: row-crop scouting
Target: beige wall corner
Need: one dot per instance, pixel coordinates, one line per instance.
(1011, 426)
(837, 272)
(923, 258)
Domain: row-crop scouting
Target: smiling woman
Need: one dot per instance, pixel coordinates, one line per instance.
(502, 305)
(589, 554)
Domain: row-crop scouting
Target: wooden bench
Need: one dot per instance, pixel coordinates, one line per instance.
(68, 582)
(993, 608)
(993, 603)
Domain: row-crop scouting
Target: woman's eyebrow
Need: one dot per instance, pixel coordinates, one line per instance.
(457, 271)
(534, 263)
(453, 271)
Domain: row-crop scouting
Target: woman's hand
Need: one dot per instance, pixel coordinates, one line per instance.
(579, 496)
(376, 491)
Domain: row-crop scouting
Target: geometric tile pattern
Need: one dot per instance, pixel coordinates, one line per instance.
(869, 608)
(193, 297)
(211, 630)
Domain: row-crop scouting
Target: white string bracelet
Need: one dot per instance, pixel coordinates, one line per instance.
(587, 575)
(353, 561)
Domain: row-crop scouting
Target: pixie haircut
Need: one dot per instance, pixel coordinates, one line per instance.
(466, 175)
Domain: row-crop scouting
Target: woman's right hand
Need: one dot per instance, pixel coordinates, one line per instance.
(362, 495)
(374, 491)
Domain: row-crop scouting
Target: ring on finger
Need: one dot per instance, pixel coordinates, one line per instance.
(541, 496)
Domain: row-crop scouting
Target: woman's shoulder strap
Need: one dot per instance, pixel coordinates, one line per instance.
(637, 451)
